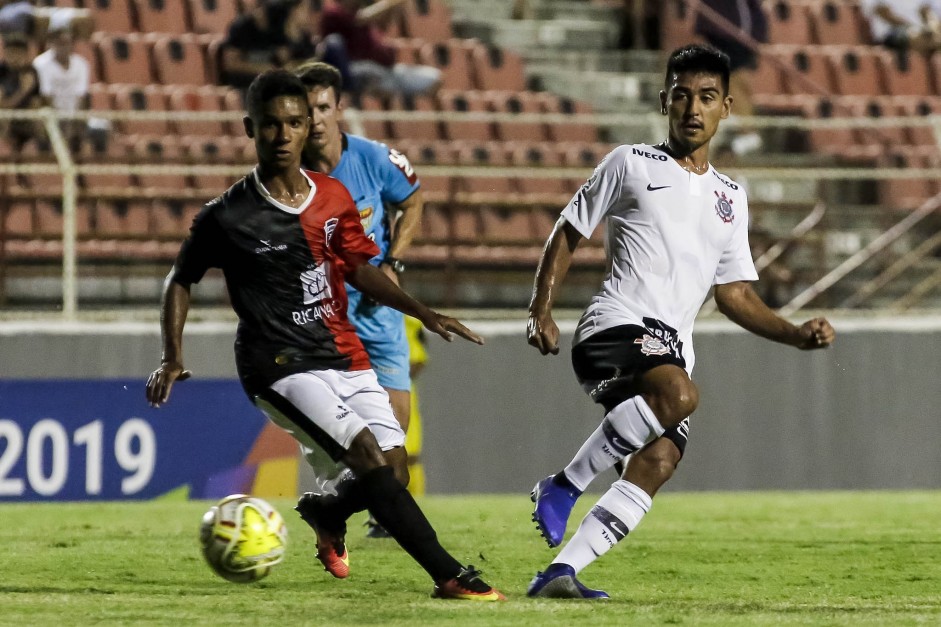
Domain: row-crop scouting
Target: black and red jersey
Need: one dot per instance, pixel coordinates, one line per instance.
(284, 268)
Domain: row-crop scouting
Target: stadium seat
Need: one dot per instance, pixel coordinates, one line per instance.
(584, 154)
(435, 225)
(857, 69)
(569, 131)
(122, 218)
(767, 77)
(452, 58)
(171, 219)
(465, 224)
(178, 60)
(917, 107)
(789, 23)
(840, 23)
(111, 16)
(497, 68)
(488, 189)
(465, 102)
(428, 152)
(218, 150)
(551, 190)
(212, 16)
(907, 74)
(140, 98)
(406, 49)
(437, 187)
(506, 225)
(163, 16)
(48, 219)
(428, 19)
(908, 193)
(204, 99)
(157, 151)
(107, 184)
(414, 129)
(492, 153)
(518, 103)
(100, 97)
(17, 218)
(809, 70)
(124, 58)
(827, 140)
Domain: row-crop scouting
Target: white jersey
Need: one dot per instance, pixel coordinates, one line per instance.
(64, 86)
(670, 236)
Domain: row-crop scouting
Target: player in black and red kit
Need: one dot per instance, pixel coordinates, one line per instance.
(286, 240)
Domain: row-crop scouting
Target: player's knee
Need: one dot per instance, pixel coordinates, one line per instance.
(364, 453)
(673, 399)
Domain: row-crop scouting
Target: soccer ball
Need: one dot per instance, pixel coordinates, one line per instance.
(243, 538)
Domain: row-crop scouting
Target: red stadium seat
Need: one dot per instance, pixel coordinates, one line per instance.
(677, 24)
(506, 225)
(494, 189)
(141, 98)
(497, 68)
(157, 151)
(517, 103)
(916, 107)
(429, 152)
(212, 16)
(465, 102)
(435, 225)
(203, 98)
(48, 219)
(907, 74)
(826, 140)
(810, 70)
(106, 184)
(124, 58)
(211, 151)
(178, 60)
(569, 131)
(415, 129)
(17, 218)
(428, 19)
(465, 225)
(111, 16)
(483, 153)
(452, 58)
(858, 70)
(789, 23)
(122, 218)
(437, 188)
(163, 16)
(840, 23)
(406, 49)
(171, 219)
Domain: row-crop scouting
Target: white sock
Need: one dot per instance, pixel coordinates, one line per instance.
(624, 430)
(617, 513)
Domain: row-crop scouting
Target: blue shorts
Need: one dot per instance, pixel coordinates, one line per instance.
(382, 332)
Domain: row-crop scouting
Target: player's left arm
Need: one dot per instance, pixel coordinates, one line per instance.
(739, 302)
(404, 229)
(373, 282)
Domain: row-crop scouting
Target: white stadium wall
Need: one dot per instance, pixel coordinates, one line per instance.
(865, 414)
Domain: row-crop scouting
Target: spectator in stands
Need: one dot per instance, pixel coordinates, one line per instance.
(63, 81)
(19, 89)
(23, 18)
(905, 24)
(272, 35)
(373, 67)
(730, 26)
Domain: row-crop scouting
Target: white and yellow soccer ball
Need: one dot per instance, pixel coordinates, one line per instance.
(243, 538)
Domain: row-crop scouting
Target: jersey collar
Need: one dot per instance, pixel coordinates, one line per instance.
(280, 205)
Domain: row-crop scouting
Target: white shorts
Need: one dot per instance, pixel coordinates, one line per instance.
(325, 409)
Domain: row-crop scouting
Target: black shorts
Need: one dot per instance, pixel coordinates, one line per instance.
(608, 365)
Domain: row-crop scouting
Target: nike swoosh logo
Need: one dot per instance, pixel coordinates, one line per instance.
(651, 188)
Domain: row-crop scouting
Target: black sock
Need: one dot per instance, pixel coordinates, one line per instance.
(562, 481)
(396, 510)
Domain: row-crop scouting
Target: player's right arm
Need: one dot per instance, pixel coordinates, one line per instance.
(174, 308)
(541, 330)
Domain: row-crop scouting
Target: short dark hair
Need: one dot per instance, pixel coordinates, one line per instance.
(269, 85)
(699, 58)
(320, 74)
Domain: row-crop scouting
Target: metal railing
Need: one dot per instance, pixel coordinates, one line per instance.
(651, 123)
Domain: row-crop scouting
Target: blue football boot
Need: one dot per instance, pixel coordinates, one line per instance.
(554, 505)
(559, 582)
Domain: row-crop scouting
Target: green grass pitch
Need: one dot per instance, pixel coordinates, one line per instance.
(870, 558)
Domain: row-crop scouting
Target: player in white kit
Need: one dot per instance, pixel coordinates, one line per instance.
(675, 227)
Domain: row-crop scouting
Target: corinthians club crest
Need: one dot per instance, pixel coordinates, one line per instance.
(724, 208)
